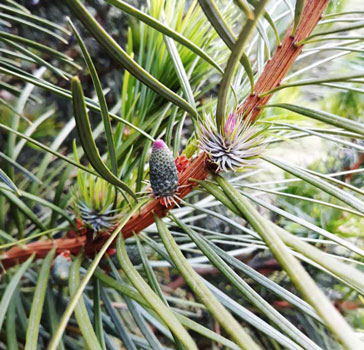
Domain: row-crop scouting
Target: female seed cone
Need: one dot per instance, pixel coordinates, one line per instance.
(163, 171)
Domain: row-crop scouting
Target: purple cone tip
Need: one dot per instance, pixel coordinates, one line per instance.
(230, 124)
(159, 144)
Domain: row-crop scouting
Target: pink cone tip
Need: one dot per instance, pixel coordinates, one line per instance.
(159, 144)
(230, 124)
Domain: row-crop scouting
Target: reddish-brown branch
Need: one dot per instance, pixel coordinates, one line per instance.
(355, 166)
(271, 77)
(284, 57)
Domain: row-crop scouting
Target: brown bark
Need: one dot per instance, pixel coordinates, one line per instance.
(273, 73)
(284, 57)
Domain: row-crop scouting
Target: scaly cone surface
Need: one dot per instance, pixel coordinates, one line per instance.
(163, 171)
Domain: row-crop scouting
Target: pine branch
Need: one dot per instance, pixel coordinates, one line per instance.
(274, 72)
(197, 170)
